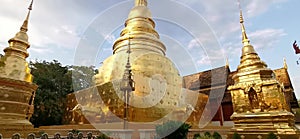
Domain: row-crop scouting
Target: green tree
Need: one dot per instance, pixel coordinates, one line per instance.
(54, 83)
(271, 135)
(181, 130)
(197, 136)
(216, 135)
(207, 134)
(82, 76)
(236, 136)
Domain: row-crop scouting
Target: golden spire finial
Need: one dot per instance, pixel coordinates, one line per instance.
(285, 64)
(24, 27)
(141, 3)
(227, 62)
(245, 39)
(142, 31)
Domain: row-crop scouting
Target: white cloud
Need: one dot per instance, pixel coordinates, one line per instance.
(44, 27)
(260, 40)
(212, 58)
(54, 23)
(233, 48)
(223, 16)
(8, 26)
(205, 60)
(40, 50)
(208, 60)
(56, 26)
(110, 38)
(256, 7)
(203, 39)
(266, 38)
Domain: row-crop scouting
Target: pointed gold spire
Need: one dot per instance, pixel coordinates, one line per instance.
(227, 62)
(24, 27)
(285, 64)
(22, 34)
(245, 39)
(141, 3)
(14, 60)
(250, 60)
(248, 48)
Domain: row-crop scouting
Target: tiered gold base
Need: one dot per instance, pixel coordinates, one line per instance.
(259, 125)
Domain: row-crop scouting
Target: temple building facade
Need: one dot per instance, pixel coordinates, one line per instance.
(139, 84)
(147, 57)
(258, 98)
(201, 82)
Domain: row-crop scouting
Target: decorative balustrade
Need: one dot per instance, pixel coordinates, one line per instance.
(57, 136)
(116, 134)
(111, 134)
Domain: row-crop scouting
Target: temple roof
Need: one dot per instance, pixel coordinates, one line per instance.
(206, 79)
(208, 82)
(283, 77)
(202, 82)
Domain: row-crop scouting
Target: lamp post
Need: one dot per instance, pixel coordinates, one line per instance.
(127, 86)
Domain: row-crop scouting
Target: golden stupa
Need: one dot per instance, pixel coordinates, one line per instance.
(157, 93)
(16, 88)
(157, 81)
(258, 99)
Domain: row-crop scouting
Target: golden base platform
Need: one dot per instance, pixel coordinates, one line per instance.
(260, 124)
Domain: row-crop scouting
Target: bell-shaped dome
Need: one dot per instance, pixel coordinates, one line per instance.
(157, 80)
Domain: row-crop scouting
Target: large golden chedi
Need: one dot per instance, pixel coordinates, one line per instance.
(16, 87)
(258, 98)
(157, 81)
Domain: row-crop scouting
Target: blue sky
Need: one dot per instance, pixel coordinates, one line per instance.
(198, 34)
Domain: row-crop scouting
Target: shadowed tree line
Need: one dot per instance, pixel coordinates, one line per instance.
(55, 81)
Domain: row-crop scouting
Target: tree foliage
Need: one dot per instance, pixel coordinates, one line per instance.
(197, 136)
(216, 135)
(236, 136)
(271, 135)
(54, 83)
(181, 130)
(82, 76)
(207, 135)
